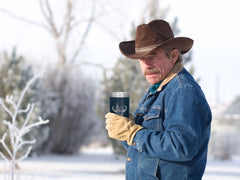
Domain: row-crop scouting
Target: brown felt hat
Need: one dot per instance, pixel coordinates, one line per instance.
(155, 34)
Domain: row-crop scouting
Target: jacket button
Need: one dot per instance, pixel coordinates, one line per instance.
(134, 143)
(129, 159)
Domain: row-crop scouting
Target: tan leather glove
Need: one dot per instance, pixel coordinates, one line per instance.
(121, 128)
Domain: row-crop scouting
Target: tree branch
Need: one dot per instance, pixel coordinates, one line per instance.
(49, 17)
(90, 21)
(97, 65)
(2, 141)
(23, 18)
(112, 33)
(5, 108)
(67, 22)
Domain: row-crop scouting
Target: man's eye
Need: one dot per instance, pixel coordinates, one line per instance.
(151, 57)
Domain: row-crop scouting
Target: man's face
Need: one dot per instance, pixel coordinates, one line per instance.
(156, 65)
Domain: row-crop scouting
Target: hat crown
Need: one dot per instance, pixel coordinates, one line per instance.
(155, 32)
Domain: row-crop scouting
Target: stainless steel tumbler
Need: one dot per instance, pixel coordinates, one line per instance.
(119, 103)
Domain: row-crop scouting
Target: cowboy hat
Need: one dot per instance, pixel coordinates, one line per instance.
(155, 34)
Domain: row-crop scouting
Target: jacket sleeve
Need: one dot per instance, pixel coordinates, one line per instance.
(125, 144)
(186, 128)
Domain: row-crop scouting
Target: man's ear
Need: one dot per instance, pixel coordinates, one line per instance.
(174, 56)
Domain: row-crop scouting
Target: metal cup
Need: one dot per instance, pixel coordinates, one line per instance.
(119, 103)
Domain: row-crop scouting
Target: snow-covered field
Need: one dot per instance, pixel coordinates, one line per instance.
(101, 164)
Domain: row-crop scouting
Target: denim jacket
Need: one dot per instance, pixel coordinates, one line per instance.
(176, 120)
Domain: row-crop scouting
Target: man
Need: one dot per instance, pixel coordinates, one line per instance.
(167, 137)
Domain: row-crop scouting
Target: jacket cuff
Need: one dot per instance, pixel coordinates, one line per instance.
(124, 143)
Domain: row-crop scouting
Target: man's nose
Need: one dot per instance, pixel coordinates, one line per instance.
(148, 64)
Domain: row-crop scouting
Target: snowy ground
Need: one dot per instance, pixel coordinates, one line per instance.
(101, 164)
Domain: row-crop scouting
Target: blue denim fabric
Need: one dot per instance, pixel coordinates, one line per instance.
(173, 144)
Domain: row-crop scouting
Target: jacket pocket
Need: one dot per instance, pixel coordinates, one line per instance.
(153, 119)
(153, 113)
(148, 168)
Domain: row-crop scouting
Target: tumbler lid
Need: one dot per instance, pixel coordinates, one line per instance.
(119, 94)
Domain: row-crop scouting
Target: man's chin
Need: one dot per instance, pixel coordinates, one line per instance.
(153, 81)
(153, 78)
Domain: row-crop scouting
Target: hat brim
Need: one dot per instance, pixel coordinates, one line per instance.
(127, 48)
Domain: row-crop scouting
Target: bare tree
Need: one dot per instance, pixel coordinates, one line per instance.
(61, 28)
(61, 34)
(66, 96)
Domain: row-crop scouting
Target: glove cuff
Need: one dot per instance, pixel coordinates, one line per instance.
(134, 129)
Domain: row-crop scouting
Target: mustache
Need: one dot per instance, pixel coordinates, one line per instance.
(151, 71)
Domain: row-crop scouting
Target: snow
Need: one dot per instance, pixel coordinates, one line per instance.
(223, 170)
(102, 164)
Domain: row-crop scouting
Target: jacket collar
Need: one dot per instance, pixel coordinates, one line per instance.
(175, 70)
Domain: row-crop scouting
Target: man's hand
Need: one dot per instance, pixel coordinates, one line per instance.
(121, 128)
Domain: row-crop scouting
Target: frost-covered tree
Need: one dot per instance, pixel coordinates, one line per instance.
(17, 131)
(14, 74)
(67, 100)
